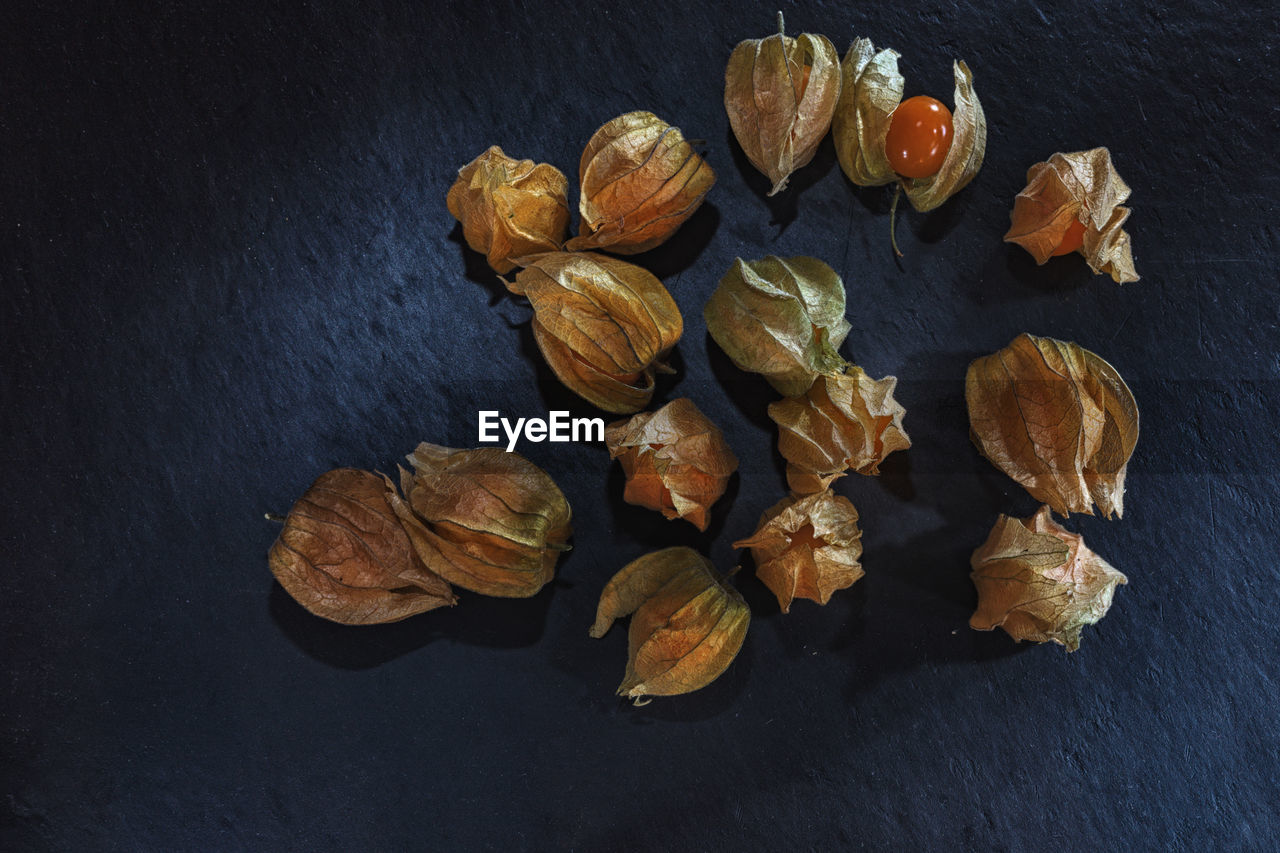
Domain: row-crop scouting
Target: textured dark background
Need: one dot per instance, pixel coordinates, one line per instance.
(227, 267)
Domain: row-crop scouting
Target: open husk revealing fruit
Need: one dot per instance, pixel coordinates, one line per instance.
(687, 622)
(780, 93)
(782, 318)
(1056, 418)
(509, 208)
(344, 555)
(640, 180)
(845, 421)
(871, 89)
(486, 520)
(807, 547)
(1073, 202)
(675, 459)
(603, 325)
(1039, 582)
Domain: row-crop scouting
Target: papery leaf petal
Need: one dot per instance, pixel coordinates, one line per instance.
(676, 460)
(1039, 582)
(344, 555)
(1057, 419)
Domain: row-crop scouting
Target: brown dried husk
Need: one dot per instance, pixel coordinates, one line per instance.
(780, 94)
(603, 325)
(807, 547)
(1081, 186)
(486, 520)
(846, 421)
(782, 318)
(641, 179)
(675, 459)
(871, 90)
(510, 208)
(344, 555)
(1056, 418)
(687, 622)
(1039, 582)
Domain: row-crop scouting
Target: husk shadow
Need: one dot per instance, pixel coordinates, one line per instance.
(748, 392)
(1011, 274)
(499, 623)
(784, 207)
(679, 251)
(940, 221)
(475, 268)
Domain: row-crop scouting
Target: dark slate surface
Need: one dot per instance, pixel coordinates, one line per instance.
(227, 267)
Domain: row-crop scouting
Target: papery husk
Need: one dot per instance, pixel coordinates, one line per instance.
(486, 520)
(871, 90)
(640, 179)
(1080, 186)
(1040, 582)
(964, 157)
(603, 325)
(1056, 418)
(510, 208)
(675, 459)
(344, 555)
(846, 421)
(780, 94)
(807, 547)
(782, 318)
(687, 622)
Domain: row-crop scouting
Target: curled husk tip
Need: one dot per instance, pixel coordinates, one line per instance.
(603, 325)
(871, 90)
(807, 547)
(510, 208)
(344, 555)
(845, 421)
(676, 460)
(1056, 418)
(486, 520)
(1084, 187)
(1039, 582)
(782, 318)
(640, 181)
(780, 93)
(687, 622)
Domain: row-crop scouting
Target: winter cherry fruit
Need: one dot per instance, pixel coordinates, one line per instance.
(919, 137)
(1073, 239)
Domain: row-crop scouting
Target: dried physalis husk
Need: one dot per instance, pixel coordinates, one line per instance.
(846, 421)
(485, 519)
(510, 208)
(807, 547)
(1039, 582)
(782, 318)
(641, 179)
(871, 90)
(603, 325)
(780, 93)
(687, 627)
(675, 459)
(1079, 191)
(344, 555)
(1056, 418)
